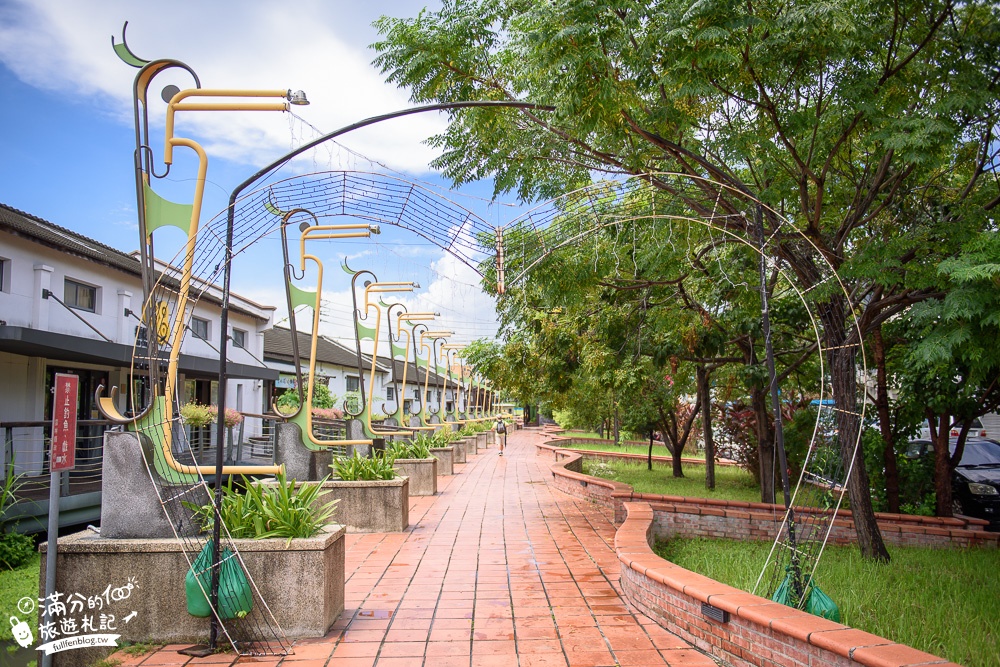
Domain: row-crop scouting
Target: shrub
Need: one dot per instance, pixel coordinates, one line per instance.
(322, 398)
(195, 414)
(444, 437)
(327, 414)
(233, 416)
(418, 449)
(16, 549)
(284, 509)
(364, 468)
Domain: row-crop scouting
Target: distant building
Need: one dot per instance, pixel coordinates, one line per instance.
(68, 304)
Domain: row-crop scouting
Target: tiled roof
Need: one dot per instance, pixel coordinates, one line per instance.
(60, 238)
(66, 241)
(278, 346)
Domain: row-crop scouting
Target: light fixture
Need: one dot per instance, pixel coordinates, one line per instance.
(298, 98)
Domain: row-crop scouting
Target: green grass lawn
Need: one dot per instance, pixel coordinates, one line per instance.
(14, 585)
(659, 449)
(943, 601)
(731, 482)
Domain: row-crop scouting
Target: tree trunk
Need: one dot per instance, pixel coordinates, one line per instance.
(704, 397)
(649, 455)
(843, 372)
(885, 426)
(617, 439)
(940, 434)
(765, 443)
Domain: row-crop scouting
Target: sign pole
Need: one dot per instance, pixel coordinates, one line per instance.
(62, 456)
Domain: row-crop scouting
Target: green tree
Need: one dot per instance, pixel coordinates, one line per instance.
(868, 124)
(952, 373)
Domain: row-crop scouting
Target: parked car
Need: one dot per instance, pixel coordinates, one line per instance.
(975, 484)
(977, 430)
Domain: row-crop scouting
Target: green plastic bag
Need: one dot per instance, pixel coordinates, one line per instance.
(235, 596)
(818, 603)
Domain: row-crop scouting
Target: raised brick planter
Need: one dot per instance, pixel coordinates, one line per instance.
(758, 633)
(678, 516)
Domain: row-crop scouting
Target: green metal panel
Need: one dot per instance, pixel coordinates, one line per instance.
(364, 332)
(302, 297)
(154, 426)
(127, 56)
(162, 212)
(398, 352)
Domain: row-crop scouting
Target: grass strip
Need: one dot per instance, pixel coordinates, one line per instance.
(731, 482)
(14, 585)
(943, 601)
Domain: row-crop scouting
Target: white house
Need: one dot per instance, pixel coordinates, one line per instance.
(68, 304)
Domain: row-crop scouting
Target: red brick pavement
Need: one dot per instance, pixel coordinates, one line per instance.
(497, 569)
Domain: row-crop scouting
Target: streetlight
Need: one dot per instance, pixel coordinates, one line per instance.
(448, 349)
(375, 287)
(404, 316)
(300, 297)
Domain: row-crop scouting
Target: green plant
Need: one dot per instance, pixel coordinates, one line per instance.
(913, 601)
(195, 414)
(14, 585)
(16, 549)
(282, 509)
(364, 468)
(444, 437)
(322, 398)
(418, 449)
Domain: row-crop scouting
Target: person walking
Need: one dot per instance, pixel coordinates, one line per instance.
(501, 430)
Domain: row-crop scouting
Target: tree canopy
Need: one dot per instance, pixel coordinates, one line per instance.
(869, 126)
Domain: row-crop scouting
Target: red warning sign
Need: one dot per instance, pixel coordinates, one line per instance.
(63, 454)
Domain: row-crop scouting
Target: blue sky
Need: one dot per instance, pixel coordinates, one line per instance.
(66, 131)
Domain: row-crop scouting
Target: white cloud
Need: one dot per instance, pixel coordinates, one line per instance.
(64, 46)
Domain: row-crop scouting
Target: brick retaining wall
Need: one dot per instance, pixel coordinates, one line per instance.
(706, 517)
(758, 632)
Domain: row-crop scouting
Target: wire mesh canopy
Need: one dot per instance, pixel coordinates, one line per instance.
(506, 254)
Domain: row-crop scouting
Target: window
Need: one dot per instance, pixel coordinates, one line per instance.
(80, 296)
(199, 328)
(390, 394)
(4, 275)
(448, 407)
(353, 384)
(240, 338)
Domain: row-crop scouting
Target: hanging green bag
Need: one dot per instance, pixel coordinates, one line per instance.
(820, 604)
(235, 596)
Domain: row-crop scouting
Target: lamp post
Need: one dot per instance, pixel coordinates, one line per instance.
(300, 297)
(373, 287)
(449, 349)
(394, 346)
(426, 334)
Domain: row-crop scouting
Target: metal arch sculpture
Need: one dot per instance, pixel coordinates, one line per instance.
(403, 350)
(297, 297)
(739, 218)
(156, 212)
(364, 332)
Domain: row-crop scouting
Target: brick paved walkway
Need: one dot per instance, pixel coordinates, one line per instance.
(497, 569)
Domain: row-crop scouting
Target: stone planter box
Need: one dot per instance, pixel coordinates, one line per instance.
(469, 443)
(377, 506)
(446, 459)
(301, 581)
(422, 474)
(481, 441)
(491, 438)
(459, 448)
